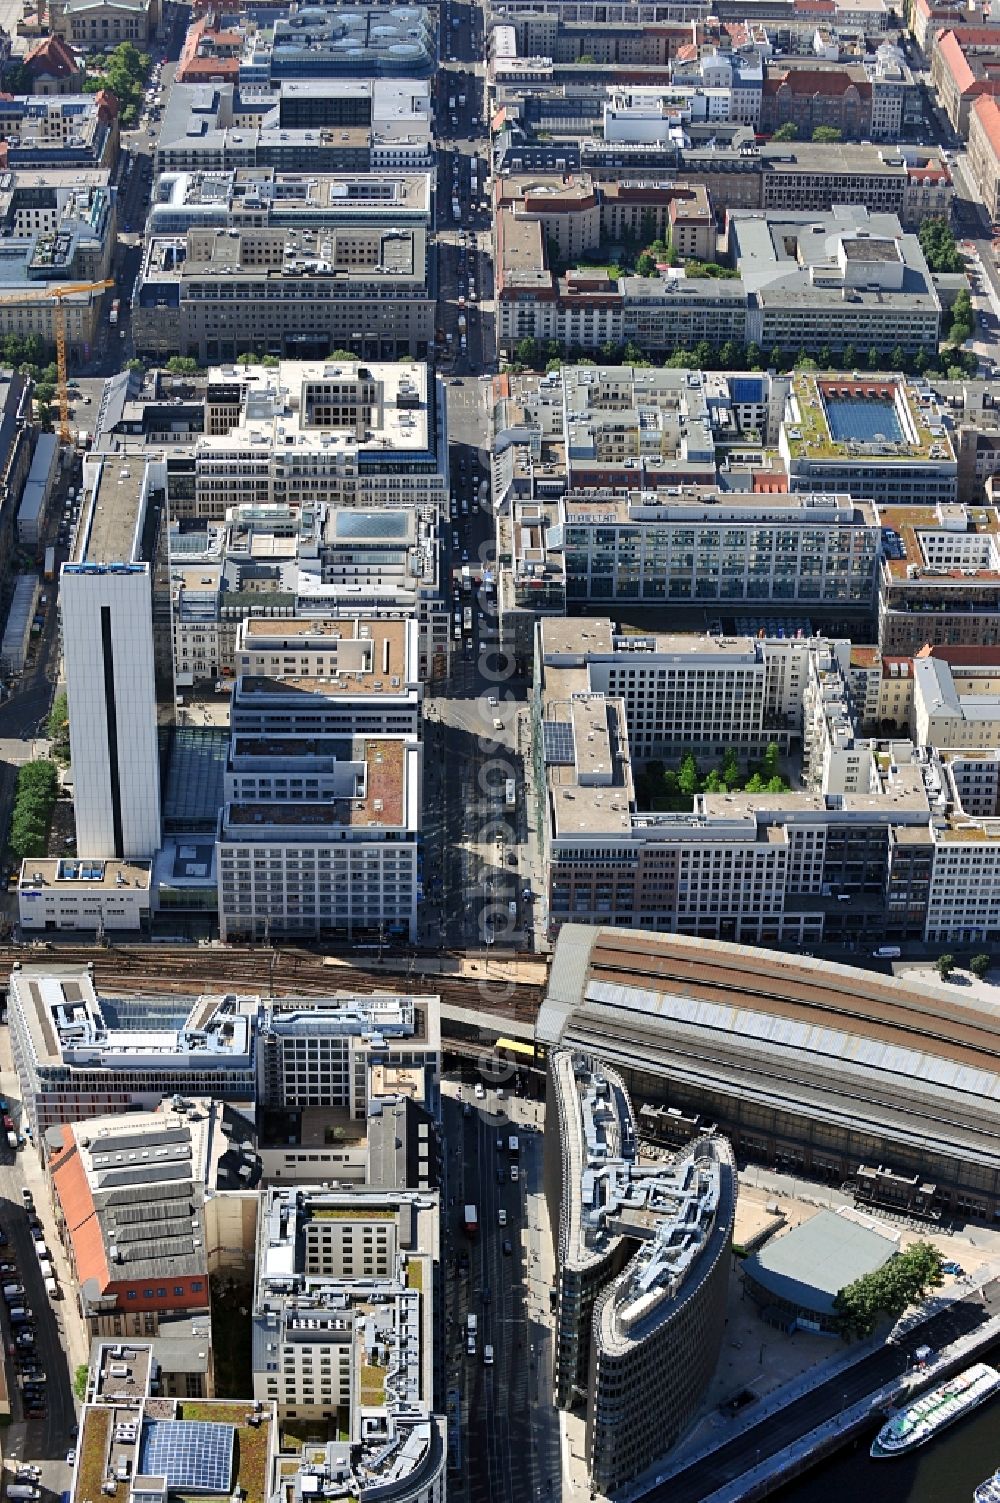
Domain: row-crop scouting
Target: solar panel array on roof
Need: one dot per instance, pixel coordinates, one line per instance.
(557, 740)
(193, 1457)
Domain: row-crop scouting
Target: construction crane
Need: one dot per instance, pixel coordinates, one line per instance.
(58, 295)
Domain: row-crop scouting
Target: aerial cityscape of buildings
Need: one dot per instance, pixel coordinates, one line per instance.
(499, 746)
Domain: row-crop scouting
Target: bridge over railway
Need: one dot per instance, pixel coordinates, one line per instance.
(499, 995)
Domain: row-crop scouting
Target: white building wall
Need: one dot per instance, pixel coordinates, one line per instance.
(113, 738)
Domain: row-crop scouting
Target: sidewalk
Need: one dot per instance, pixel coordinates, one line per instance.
(540, 1276)
(69, 1323)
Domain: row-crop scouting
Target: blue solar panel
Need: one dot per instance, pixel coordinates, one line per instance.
(557, 740)
(194, 1458)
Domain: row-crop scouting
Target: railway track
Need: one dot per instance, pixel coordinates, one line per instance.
(176, 969)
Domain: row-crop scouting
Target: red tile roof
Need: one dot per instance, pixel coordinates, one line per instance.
(812, 81)
(51, 56)
(967, 655)
(69, 1180)
(987, 112)
(955, 61)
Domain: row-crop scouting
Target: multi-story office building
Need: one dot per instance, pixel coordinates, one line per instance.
(324, 842)
(218, 293)
(357, 42)
(311, 562)
(106, 600)
(344, 1325)
(834, 279)
(306, 125)
(911, 1125)
(62, 131)
(665, 313)
(348, 434)
(369, 666)
(320, 828)
(135, 1424)
(956, 705)
(578, 215)
(79, 1055)
(939, 577)
(914, 183)
(74, 893)
(984, 151)
(262, 198)
(837, 95)
(340, 1052)
(642, 1269)
(963, 70)
(878, 436)
(298, 436)
(59, 230)
(678, 546)
(135, 1235)
(783, 868)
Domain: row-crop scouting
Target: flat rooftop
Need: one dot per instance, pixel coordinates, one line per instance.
(82, 874)
(382, 804)
(109, 530)
(809, 1265)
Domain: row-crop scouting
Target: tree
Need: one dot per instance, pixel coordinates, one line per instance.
(702, 355)
(342, 355)
(850, 358)
(688, 781)
(939, 247)
(776, 359)
(772, 755)
(753, 356)
(182, 365)
(715, 783)
(680, 360)
(731, 768)
(889, 1290)
(827, 134)
(80, 1377)
(787, 132)
(551, 366)
(57, 726)
(731, 356)
(897, 360)
(804, 362)
(824, 358)
(755, 784)
(980, 964)
(646, 265)
(874, 359)
(945, 965)
(34, 798)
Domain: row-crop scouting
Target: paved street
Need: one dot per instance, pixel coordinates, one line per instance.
(511, 1445)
